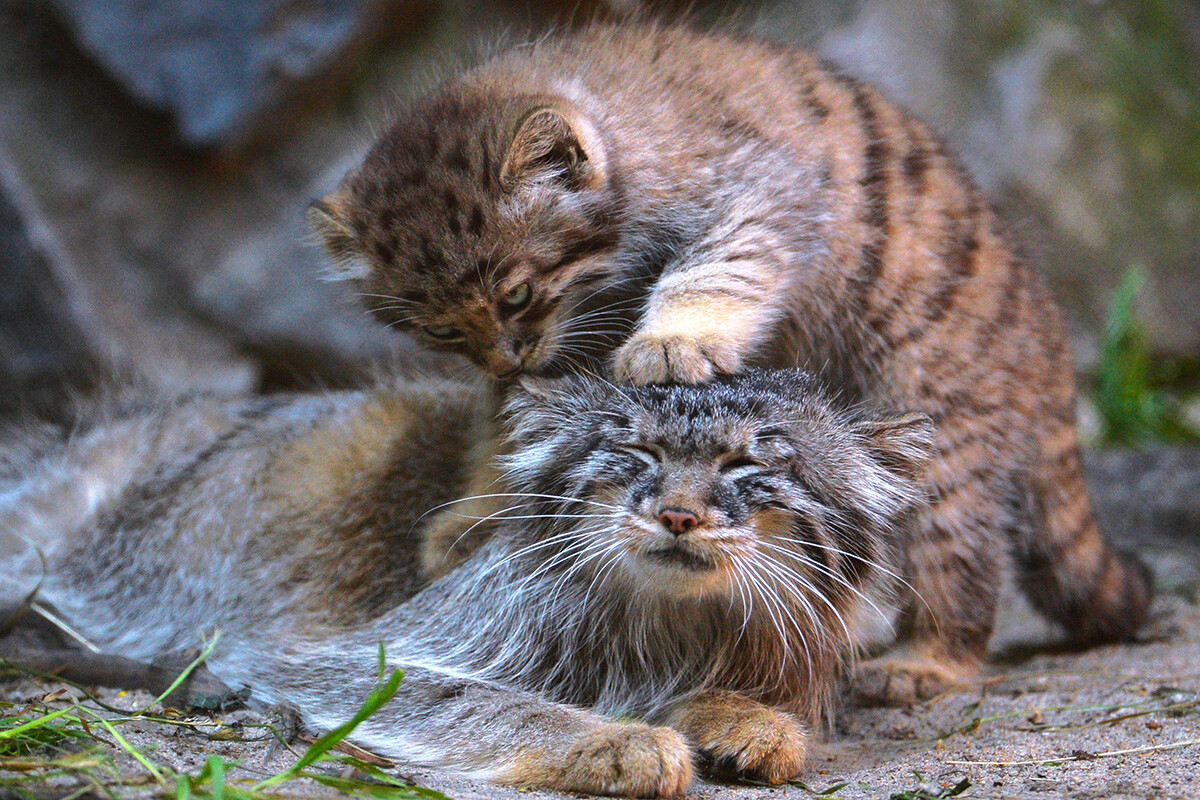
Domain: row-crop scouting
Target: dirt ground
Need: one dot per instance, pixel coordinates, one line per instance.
(1113, 722)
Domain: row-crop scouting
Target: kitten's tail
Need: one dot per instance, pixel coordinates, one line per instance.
(1072, 574)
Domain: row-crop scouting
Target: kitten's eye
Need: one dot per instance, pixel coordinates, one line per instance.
(648, 453)
(740, 465)
(517, 298)
(444, 333)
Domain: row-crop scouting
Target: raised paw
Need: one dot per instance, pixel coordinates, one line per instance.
(902, 682)
(629, 760)
(743, 738)
(674, 358)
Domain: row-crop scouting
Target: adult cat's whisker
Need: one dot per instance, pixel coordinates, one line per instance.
(747, 598)
(568, 536)
(825, 570)
(806, 587)
(598, 553)
(784, 573)
(774, 609)
(846, 554)
(874, 565)
(498, 515)
(533, 495)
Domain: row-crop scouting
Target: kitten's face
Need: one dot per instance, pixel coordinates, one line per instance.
(717, 489)
(485, 229)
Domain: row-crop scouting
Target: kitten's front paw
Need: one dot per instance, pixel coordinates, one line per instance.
(749, 742)
(897, 681)
(674, 358)
(629, 760)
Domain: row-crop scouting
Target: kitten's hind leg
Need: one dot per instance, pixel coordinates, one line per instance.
(954, 571)
(742, 737)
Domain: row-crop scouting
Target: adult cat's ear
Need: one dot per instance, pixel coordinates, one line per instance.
(901, 444)
(545, 389)
(554, 142)
(552, 400)
(327, 219)
(537, 409)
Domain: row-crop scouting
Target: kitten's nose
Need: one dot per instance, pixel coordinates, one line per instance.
(502, 367)
(526, 345)
(678, 520)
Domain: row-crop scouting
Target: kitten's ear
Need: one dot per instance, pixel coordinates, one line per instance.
(901, 444)
(555, 142)
(327, 219)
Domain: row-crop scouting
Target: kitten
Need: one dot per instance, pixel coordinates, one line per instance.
(678, 205)
(688, 556)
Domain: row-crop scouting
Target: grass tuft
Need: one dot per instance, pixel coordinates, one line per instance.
(1132, 405)
(41, 745)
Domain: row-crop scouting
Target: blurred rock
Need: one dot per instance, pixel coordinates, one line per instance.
(41, 346)
(1146, 494)
(80, 175)
(192, 269)
(220, 68)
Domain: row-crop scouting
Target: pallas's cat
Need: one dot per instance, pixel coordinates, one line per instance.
(678, 568)
(675, 205)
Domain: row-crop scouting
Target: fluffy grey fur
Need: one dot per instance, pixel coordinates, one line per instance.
(585, 597)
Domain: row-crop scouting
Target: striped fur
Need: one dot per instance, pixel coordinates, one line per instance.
(673, 205)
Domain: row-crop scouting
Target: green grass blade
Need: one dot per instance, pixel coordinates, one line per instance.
(183, 788)
(375, 700)
(133, 751)
(34, 723)
(217, 779)
(183, 676)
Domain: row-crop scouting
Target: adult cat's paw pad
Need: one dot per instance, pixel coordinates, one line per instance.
(630, 761)
(674, 358)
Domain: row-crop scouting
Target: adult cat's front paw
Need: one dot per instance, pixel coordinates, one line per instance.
(744, 738)
(674, 358)
(629, 760)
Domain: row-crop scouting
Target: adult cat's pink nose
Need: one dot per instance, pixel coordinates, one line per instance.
(678, 520)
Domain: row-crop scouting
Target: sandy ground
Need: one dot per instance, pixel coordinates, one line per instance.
(1113, 722)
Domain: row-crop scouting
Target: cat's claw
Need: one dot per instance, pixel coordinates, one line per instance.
(629, 760)
(674, 358)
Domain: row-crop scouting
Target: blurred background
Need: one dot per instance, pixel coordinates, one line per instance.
(156, 157)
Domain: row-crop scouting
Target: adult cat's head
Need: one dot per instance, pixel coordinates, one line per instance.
(485, 224)
(734, 488)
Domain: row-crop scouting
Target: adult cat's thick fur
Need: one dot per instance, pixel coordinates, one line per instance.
(690, 556)
(678, 205)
